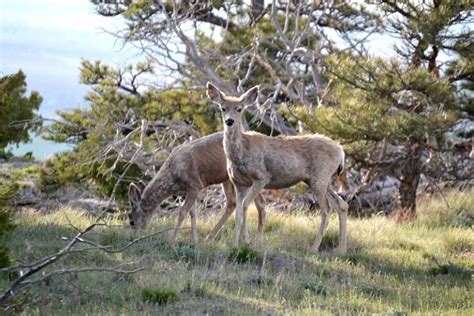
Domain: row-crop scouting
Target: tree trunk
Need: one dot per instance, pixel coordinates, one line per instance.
(409, 183)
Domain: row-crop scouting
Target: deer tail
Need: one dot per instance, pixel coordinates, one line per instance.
(341, 177)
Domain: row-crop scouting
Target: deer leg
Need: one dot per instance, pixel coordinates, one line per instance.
(251, 195)
(188, 204)
(320, 194)
(259, 203)
(229, 193)
(341, 208)
(194, 233)
(241, 193)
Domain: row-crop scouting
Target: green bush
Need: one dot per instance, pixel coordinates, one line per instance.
(7, 190)
(6, 155)
(242, 254)
(158, 295)
(58, 171)
(76, 167)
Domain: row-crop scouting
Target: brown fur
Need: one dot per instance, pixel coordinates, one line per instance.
(189, 169)
(256, 161)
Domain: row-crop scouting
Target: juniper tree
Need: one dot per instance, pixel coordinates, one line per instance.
(119, 99)
(393, 113)
(17, 109)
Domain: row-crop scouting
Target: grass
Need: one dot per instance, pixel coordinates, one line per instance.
(420, 268)
(242, 254)
(158, 296)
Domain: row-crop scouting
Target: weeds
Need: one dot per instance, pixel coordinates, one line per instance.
(318, 288)
(243, 254)
(451, 269)
(455, 211)
(158, 295)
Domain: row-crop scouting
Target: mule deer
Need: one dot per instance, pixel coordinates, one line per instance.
(189, 168)
(256, 161)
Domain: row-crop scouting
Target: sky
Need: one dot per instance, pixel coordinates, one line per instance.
(47, 40)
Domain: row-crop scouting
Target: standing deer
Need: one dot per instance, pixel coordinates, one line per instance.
(189, 168)
(256, 161)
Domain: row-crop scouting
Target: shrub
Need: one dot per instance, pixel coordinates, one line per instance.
(58, 171)
(158, 295)
(7, 190)
(5, 155)
(242, 254)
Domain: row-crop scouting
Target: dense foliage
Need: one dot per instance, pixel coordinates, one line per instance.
(7, 190)
(118, 100)
(17, 109)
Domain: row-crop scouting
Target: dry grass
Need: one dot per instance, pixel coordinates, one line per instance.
(419, 268)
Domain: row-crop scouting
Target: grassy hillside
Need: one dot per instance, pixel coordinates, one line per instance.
(422, 268)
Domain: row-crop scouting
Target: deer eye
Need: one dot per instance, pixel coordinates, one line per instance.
(239, 110)
(223, 109)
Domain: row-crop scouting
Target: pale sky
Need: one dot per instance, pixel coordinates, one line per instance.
(48, 38)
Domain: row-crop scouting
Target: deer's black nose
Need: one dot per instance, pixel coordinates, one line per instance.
(229, 122)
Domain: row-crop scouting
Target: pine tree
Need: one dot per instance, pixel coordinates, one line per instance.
(118, 100)
(17, 109)
(392, 113)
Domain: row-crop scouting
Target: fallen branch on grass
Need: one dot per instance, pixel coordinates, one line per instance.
(28, 271)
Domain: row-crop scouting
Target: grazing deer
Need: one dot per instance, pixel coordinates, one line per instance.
(189, 168)
(256, 161)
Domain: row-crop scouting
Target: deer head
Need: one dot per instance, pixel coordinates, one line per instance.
(231, 107)
(138, 218)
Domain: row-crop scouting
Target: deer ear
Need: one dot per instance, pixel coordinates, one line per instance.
(250, 96)
(213, 93)
(134, 193)
(141, 185)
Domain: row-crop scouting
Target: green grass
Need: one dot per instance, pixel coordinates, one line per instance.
(242, 254)
(159, 296)
(420, 268)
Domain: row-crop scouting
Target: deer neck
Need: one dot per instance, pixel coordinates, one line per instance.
(233, 142)
(153, 196)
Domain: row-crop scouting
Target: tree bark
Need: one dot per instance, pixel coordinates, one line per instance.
(411, 173)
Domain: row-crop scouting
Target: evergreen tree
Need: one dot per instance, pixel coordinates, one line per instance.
(17, 109)
(393, 113)
(119, 98)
